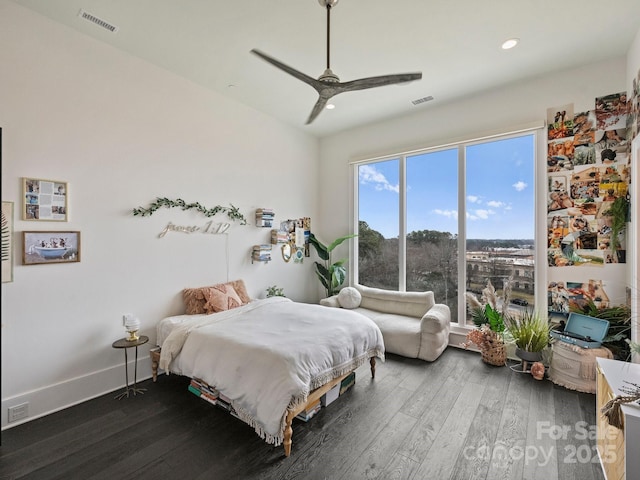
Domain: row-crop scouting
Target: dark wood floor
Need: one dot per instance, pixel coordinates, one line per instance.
(456, 418)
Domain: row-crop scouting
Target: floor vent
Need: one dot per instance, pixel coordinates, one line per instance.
(422, 100)
(18, 412)
(98, 21)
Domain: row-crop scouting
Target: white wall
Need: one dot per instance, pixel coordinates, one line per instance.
(123, 132)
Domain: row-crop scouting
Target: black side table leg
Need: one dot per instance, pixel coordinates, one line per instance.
(126, 373)
(135, 388)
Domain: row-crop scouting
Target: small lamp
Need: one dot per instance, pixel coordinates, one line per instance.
(131, 325)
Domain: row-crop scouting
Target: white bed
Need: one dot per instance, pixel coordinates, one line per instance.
(271, 357)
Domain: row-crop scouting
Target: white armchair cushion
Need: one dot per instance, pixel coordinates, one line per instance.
(349, 298)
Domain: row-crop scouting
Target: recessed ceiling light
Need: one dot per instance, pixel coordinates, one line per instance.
(330, 106)
(512, 42)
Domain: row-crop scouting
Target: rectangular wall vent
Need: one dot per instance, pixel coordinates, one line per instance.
(18, 412)
(422, 100)
(98, 21)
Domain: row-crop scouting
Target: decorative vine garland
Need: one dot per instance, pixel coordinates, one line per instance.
(232, 212)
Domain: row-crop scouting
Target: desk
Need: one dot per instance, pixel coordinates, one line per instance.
(618, 449)
(126, 344)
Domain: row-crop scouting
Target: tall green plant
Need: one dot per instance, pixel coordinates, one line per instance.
(529, 330)
(619, 212)
(331, 274)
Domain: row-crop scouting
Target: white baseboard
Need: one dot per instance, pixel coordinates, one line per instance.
(52, 398)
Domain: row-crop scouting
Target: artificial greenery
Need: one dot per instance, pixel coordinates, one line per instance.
(331, 274)
(232, 212)
(619, 334)
(619, 212)
(275, 291)
(529, 330)
(490, 316)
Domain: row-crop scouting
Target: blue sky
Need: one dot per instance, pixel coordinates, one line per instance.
(499, 197)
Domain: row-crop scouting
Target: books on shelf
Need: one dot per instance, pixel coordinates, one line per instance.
(264, 217)
(261, 253)
(280, 236)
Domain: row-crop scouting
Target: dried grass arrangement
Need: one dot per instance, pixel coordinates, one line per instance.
(489, 334)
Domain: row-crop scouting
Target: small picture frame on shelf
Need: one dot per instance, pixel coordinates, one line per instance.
(50, 247)
(44, 200)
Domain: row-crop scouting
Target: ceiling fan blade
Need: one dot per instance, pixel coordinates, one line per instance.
(381, 81)
(291, 71)
(317, 108)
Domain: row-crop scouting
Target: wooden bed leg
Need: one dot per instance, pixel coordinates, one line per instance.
(288, 433)
(155, 360)
(372, 361)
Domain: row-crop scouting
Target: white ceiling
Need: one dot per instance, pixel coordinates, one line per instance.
(454, 43)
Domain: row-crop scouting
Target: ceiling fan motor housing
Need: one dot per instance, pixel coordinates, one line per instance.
(329, 76)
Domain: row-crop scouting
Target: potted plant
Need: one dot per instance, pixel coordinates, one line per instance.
(489, 335)
(331, 274)
(619, 212)
(275, 291)
(530, 333)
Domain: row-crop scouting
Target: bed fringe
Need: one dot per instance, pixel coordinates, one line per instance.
(301, 399)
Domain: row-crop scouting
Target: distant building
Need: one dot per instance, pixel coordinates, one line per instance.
(497, 265)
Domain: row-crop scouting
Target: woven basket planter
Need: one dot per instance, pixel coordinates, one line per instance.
(495, 355)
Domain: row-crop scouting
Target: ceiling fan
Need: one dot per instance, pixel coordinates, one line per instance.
(328, 84)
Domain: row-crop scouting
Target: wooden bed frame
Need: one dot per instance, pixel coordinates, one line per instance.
(314, 396)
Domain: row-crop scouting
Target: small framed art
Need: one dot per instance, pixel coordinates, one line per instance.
(44, 200)
(50, 247)
(7, 242)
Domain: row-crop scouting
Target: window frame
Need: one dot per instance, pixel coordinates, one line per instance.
(538, 133)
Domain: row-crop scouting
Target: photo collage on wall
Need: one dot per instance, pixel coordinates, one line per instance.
(588, 167)
(633, 118)
(566, 296)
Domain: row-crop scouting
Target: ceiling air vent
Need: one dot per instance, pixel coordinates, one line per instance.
(98, 21)
(422, 100)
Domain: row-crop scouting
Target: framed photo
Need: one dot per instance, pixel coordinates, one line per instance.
(7, 242)
(50, 247)
(44, 200)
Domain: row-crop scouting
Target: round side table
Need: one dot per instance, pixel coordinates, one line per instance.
(127, 344)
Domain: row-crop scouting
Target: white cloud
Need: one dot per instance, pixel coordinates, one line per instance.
(480, 214)
(519, 186)
(446, 213)
(495, 204)
(484, 214)
(368, 174)
(473, 198)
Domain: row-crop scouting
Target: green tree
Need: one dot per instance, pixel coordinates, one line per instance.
(370, 242)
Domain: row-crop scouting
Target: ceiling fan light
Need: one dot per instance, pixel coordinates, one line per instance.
(508, 44)
(330, 106)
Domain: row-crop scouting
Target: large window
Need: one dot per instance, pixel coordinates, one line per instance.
(448, 220)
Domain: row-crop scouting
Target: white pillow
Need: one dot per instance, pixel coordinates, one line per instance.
(349, 297)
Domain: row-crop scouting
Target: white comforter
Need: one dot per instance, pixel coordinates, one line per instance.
(269, 354)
